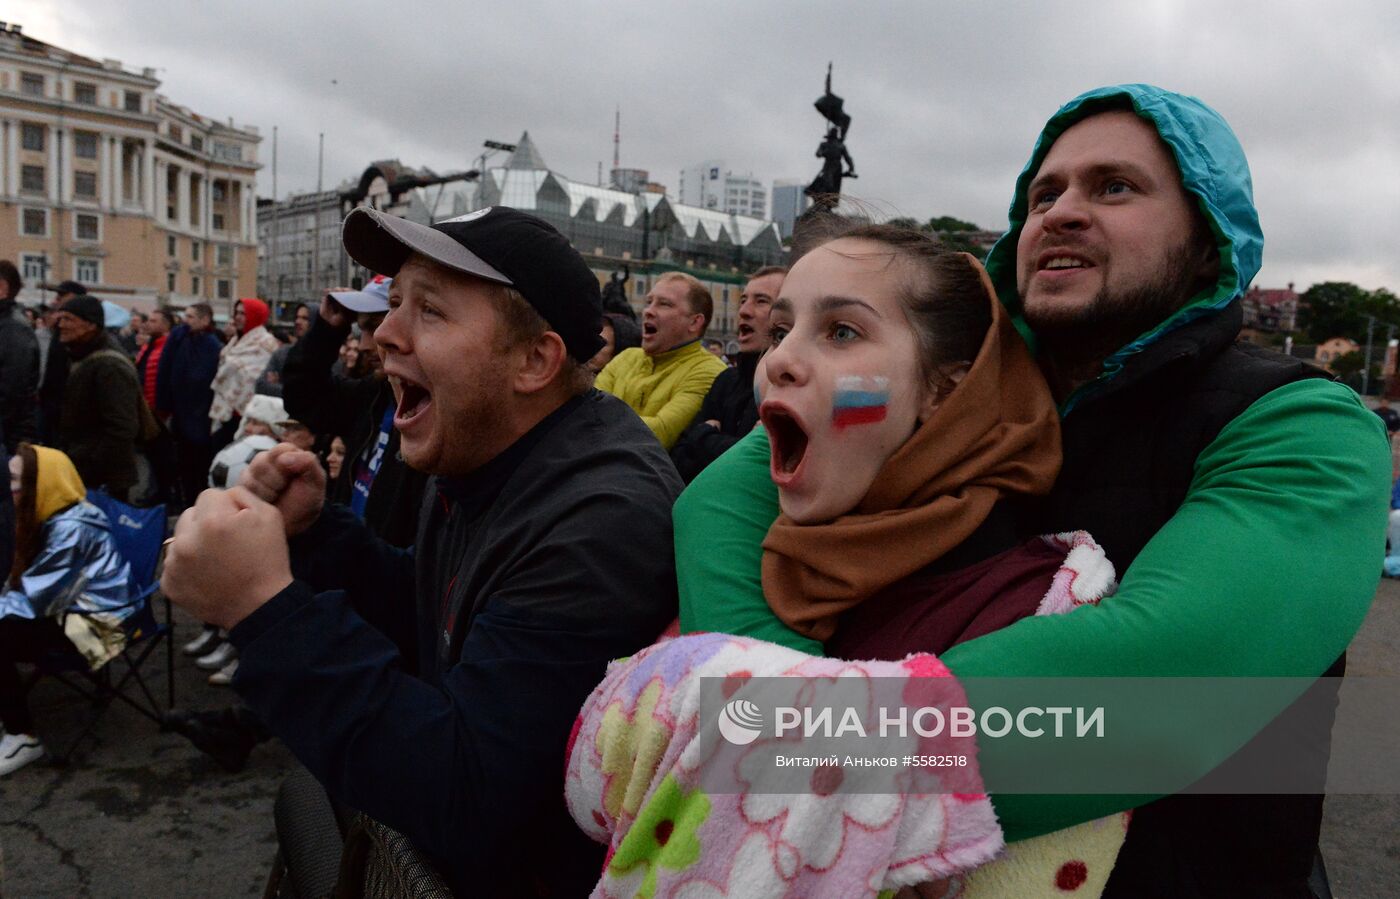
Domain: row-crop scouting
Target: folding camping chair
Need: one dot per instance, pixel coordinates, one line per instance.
(140, 538)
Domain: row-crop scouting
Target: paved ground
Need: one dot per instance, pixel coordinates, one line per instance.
(1361, 834)
(141, 813)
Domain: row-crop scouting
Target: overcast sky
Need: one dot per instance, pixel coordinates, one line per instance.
(946, 97)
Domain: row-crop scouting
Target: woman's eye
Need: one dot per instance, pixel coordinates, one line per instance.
(844, 333)
(776, 333)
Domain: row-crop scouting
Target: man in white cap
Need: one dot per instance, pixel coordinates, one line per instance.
(375, 482)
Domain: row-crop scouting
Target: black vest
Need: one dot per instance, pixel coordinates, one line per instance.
(1129, 454)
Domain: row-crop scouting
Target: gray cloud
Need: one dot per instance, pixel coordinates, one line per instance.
(947, 98)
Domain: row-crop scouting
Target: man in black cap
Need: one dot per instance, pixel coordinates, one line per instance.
(101, 414)
(543, 552)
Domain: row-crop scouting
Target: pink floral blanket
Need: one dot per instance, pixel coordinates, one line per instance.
(642, 758)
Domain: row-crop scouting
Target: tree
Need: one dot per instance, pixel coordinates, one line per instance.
(1349, 364)
(945, 223)
(1335, 309)
(958, 242)
(1385, 306)
(951, 232)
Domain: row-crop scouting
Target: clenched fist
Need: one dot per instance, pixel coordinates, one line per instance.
(334, 314)
(290, 479)
(227, 558)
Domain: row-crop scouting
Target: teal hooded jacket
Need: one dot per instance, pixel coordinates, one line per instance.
(1266, 570)
(1213, 170)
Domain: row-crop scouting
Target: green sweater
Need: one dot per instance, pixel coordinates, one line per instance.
(1266, 570)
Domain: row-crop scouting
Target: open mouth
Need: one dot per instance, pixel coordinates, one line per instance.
(648, 329)
(414, 399)
(745, 331)
(788, 440)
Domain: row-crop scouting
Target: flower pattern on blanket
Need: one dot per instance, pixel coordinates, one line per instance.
(639, 750)
(679, 840)
(664, 836)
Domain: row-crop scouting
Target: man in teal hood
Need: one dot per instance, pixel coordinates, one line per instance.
(1197, 462)
(1143, 222)
(1240, 494)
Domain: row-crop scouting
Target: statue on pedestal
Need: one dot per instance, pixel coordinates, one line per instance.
(615, 294)
(825, 189)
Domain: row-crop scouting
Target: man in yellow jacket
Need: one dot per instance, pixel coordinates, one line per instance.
(665, 380)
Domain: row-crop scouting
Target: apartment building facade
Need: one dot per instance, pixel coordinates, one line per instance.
(711, 185)
(107, 182)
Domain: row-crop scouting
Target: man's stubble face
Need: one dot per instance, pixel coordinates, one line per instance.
(1117, 314)
(440, 343)
(755, 306)
(74, 330)
(668, 319)
(1113, 244)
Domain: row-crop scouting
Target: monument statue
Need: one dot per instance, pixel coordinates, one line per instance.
(825, 189)
(615, 294)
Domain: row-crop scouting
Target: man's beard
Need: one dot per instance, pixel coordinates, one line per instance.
(472, 424)
(1089, 334)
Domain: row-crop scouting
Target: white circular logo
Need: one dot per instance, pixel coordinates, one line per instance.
(469, 217)
(740, 722)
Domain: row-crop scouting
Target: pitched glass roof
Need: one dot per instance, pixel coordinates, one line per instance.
(518, 184)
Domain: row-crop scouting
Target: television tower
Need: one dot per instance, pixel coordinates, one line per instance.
(617, 139)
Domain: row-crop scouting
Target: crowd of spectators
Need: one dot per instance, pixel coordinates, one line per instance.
(443, 503)
(144, 403)
(153, 408)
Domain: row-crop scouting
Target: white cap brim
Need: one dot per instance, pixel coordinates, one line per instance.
(361, 301)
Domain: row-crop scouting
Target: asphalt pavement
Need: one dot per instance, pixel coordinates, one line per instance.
(140, 813)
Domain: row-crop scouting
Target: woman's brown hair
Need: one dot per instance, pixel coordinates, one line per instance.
(27, 530)
(946, 302)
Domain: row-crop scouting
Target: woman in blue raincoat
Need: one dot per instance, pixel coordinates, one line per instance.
(65, 558)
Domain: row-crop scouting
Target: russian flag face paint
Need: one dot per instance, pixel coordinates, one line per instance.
(859, 401)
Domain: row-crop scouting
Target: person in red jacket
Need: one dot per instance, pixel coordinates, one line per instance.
(157, 328)
(160, 451)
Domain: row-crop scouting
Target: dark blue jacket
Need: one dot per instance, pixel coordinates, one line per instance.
(19, 375)
(7, 516)
(732, 403)
(187, 368)
(436, 690)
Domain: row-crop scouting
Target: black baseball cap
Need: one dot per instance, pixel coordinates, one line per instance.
(497, 244)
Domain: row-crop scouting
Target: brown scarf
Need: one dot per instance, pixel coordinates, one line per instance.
(997, 434)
